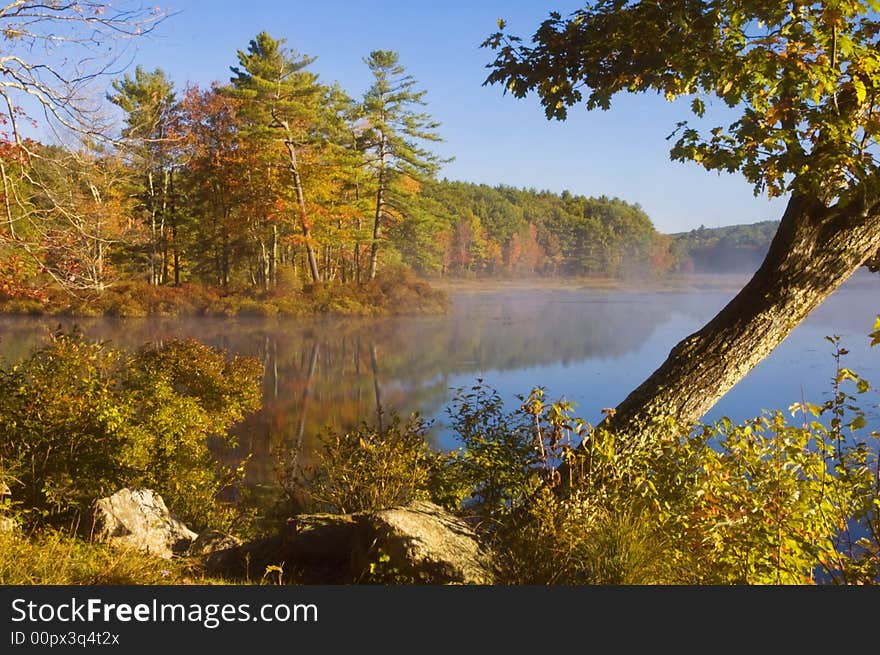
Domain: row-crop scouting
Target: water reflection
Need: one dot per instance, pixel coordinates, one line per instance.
(596, 345)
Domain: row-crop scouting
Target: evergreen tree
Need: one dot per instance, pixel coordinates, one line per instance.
(283, 101)
(393, 134)
(149, 103)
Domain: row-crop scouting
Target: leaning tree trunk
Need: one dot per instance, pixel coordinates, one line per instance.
(816, 248)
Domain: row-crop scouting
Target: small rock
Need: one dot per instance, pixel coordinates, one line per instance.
(212, 541)
(219, 551)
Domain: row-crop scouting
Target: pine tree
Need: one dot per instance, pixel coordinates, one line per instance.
(393, 133)
(283, 101)
(149, 103)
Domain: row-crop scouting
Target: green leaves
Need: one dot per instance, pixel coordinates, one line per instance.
(370, 468)
(875, 334)
(803, 77)
(80, 420)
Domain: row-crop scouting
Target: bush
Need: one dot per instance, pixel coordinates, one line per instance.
(367, 469)
(79, 420)
(764, 502)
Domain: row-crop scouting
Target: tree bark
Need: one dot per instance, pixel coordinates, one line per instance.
(303, 215)
(374, 246)
(380, 207)
(173, 216)
(815, 250)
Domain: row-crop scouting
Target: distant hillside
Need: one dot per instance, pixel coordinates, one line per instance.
(478, 230)
(729, 249)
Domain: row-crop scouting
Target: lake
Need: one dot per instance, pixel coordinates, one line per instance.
(591, 346)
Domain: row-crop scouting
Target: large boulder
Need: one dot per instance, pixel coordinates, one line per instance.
(422, 543)
(415, 543)
(138, 519)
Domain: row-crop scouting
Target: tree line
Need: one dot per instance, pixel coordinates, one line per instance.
(276, 178)
(729, 249)
(273, 176)
(507, 231)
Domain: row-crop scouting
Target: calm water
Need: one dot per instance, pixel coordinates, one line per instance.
(590, 346)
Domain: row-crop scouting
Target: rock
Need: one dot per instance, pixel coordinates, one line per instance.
(317, 548)
(321, 538)
(247, 561)
(421, 542)
(139, 519)
(212, 541)
(218, 551)
(415, 543)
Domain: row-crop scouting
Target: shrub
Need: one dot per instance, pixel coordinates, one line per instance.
(764, 502)
(367, 469)
(79, 420)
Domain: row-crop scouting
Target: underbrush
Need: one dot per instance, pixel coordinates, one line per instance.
(79, 420)
(784, 498)
(395, 290)
(55, 557)
(768, 501)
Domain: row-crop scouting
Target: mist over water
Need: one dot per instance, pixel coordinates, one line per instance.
(587, 345)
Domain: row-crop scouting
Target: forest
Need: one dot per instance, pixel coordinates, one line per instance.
(273, 182)
(274, 192)
(729, 249)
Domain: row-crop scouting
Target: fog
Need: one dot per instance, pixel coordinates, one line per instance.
(591, 346)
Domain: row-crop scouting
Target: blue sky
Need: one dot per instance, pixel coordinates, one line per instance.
(494, 138)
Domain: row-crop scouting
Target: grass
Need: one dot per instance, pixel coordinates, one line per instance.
(53, 557)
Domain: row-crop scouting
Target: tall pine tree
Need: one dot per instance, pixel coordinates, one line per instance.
(149, 104)
(394, 132)
(282, 100)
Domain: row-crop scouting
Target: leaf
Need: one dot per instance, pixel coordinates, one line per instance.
(846, 374)
(815, 410)
(857, 423)
(875, 335)
(861, 91)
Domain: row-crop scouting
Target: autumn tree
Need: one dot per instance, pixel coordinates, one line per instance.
(284, 103)
(53, 54)
(213, 187)
(67, 209)
(803, 79)
(394, 133)
(148, 100)
(340, 188)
